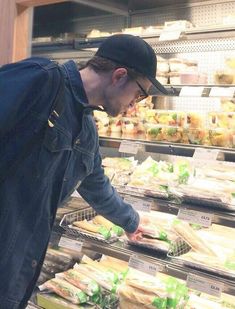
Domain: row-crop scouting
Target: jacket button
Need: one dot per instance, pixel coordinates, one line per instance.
(65, 179)
(77, 141)
(34, 263)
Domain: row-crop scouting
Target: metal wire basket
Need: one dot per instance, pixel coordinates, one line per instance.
(80, 215)
(178, 247)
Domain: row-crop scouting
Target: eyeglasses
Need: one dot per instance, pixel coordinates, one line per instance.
(142, 95)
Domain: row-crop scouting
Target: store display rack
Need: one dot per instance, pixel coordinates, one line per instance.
(162, 263)
(176, 149)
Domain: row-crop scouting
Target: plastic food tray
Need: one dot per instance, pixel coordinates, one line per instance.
(142, 192)
(200, 201)
(175, 254)
(198, 266)
(80, 215)
(179, 246)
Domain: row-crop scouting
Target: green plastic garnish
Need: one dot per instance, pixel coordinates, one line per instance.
(105, 232)
(117, 230)
(159, 303)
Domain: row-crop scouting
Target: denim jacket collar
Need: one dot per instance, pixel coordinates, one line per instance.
(74, 76)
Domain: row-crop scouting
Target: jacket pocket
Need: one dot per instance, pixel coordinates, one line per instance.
(54, 152)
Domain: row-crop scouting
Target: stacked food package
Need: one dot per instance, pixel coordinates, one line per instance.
(183, 179)
(111, 283)
(143, 122)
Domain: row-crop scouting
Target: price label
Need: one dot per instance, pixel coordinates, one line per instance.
(130, 147)
(138, 204)
(206, 154)
(191, 91)
(205, 285)
(70, 244)
(195, 217)
(169, 35)
(141, 265)
(222, 92)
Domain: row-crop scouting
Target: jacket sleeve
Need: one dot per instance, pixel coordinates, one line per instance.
(99, 193)
(21, 86)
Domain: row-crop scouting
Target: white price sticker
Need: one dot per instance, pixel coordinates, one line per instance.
(169, 35)
(191, 91)
(222, 92)
(206, 154)
(70, 244)
(195, 217)
(204, 285)
(130, 147)
(141, 265)
(138, 204)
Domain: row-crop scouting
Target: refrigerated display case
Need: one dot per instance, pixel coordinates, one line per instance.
(186, 188)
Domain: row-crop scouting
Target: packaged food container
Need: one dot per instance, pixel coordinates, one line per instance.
(189, 78)
(130, 125)
(173, 134)
(220, 137)
(133, 30)
(115, 124)
(221, 120)
(195, 120)
(174, 78)
(191, 66)
(165, 117)
(162, 65)
(102, 121)
(224, 77)
(196, 136)
(177, 65)
(162, 78)
(153, 132)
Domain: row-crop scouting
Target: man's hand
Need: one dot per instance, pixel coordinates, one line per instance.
(143, 226)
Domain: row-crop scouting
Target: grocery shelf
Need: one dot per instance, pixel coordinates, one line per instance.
(190, 34)
(176, 149)
(220, 216)
(203, 91)
(163, 264)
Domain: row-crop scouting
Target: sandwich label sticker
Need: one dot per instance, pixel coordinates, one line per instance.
(130, 147)
(72, 244)
(187, 91)
(195, 217)
(138, 204)
(206, 154)
(222, 92)
(146, 267)
(205, 285)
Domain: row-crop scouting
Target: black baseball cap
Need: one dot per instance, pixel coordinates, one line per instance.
(134, 53)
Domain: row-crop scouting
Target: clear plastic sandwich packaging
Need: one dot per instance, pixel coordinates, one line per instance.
(158, 235)
(210, 249)
(89, 284)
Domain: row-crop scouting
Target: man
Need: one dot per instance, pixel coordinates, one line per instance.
(49, 148)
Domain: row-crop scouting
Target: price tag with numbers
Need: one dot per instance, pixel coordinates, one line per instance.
(138, 204)
(72, 244)
(187, 91)
(195, 217)
(206, 154)
(169, 34)
(205, 285)
(144, 266)
(222, 92)
(130, 147)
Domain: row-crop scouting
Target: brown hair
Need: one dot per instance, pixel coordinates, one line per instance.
(99, 65)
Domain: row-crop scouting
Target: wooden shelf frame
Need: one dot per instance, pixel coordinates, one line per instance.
(16, 23)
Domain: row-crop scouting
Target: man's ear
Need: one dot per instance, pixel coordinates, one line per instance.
(118, 75)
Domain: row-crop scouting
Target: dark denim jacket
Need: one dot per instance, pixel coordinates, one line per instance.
(61, 161)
